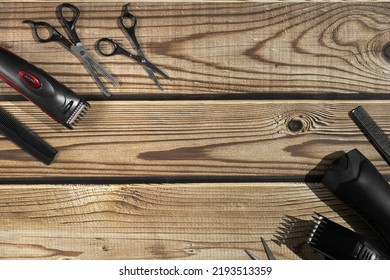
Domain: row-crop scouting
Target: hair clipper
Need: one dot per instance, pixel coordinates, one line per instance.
(340, 243)
(54, 98)
(355, 180)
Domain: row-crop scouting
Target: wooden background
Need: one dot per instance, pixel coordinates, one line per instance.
(206, 167)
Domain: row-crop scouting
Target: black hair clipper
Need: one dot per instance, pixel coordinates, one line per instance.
(340, 243)
(54, 98)
(355, 180)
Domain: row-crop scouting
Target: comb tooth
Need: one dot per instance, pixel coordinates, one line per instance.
(77, 113)
(316, 230)
(311, 239)
(316, 223)
(315, 238)
(320, 227)
(318, 216)
(316, 220)
(316, 234)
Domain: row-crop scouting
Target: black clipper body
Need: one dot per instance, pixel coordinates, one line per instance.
(54, 98)
(356, 181)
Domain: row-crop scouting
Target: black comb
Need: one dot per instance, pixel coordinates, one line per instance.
(25, 139)
(374, 133)
(340, 243)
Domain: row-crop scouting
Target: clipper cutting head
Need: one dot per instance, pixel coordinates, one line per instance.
(340, 243)
(317, 227)
(78, 113)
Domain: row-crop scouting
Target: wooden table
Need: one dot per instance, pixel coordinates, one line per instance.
(233, 148)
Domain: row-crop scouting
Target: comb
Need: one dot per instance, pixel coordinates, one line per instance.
(25, 139)
(374, 133)
(340, 243)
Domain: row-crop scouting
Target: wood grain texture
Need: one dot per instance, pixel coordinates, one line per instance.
(210, 140)
(194, 149)
(219, 48)
(184, 221)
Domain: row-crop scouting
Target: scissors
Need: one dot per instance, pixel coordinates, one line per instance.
(109, 47)
(268, 251)
(74, 45)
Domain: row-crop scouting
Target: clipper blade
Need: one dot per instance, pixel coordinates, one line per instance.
(317, 228)
(78, 113)
(340, 243)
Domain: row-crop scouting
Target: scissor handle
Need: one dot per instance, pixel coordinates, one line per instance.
(70, 25)
(53, 35)
(129, 22)
(127, 15)
(111, 47)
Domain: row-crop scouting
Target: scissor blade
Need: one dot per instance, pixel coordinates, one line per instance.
(97, 80)
(156, 69)
(252, 256)
(90, 62)
(146, 63)
(149, 68)
(152, 76)
(268, 251)
(100, 69)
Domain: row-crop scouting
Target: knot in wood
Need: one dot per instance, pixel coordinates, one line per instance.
(386, 52)
(295, 125)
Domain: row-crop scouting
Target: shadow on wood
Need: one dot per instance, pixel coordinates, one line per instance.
(293, 233)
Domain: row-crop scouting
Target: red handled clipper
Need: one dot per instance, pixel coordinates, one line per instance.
(54, 98)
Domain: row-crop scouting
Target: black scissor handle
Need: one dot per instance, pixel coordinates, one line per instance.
(70, 25)
(53, 34)
(107, 47)
(129, 22)
(127, 15)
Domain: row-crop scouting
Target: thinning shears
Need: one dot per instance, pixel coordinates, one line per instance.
(74, 45)
(109, 47)
(267, 250)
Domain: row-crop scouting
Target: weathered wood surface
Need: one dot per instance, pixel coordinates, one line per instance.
(219, 48)
(210, 140)
(183, 221)
(260, 52)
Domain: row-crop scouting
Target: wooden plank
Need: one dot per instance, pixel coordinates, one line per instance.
(184, 221)
(186, 140)
(218, 48)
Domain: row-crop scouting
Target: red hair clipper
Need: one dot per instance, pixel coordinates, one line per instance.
(54, 98)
